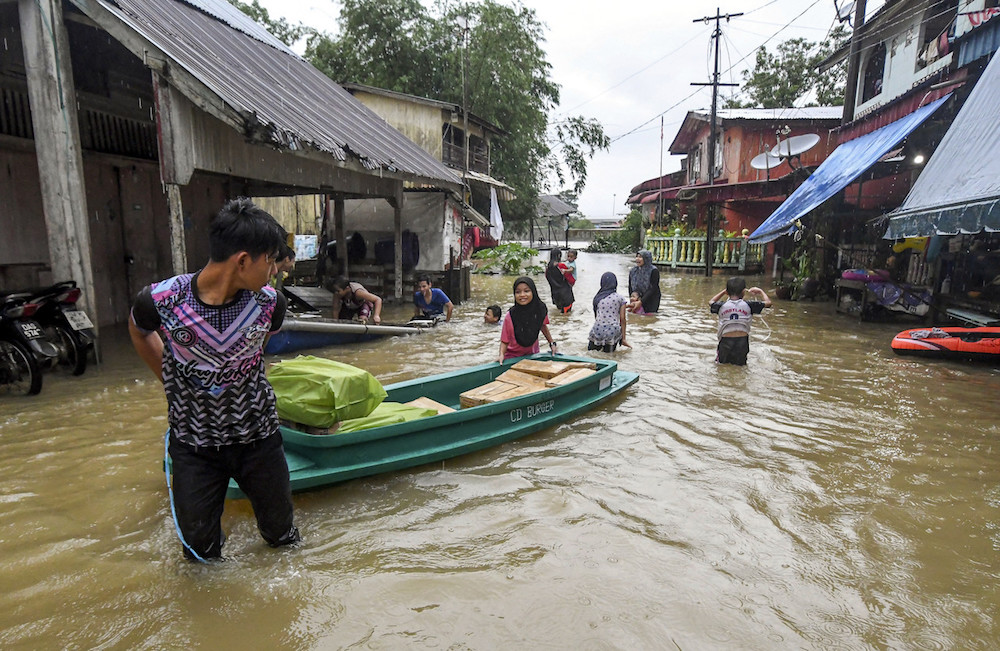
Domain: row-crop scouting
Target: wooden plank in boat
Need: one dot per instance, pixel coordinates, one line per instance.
(515, 391)
(427, 403)
(478, 395)
(541, 368)
(571, 375)
(492, 392)
(590, 365)
(515, 376)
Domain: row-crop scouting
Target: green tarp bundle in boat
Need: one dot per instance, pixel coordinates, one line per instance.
(387, 413)
(319, 392)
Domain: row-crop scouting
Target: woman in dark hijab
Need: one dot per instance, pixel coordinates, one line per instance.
(644, 278)
(524, 321)
(562, 293)
(609, 317)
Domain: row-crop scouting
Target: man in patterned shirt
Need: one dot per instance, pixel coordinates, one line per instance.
(220, 407)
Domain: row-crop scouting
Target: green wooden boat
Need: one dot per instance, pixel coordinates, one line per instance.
(321, 460)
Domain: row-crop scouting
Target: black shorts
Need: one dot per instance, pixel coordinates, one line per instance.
(606, 348)
(733, 350)
(201, 477)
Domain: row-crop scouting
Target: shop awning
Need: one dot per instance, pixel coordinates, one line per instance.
(959, 189)
(475, 216)
(840, 169)
(504, 191)
(666, 194)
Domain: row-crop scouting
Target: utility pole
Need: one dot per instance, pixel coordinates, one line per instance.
(465, 94)
(709, 230)
(853, 64)
(659, 194)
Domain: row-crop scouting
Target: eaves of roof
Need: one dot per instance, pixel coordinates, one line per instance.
(221, 62)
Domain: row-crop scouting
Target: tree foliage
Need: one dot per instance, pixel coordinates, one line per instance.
(781, 79)
(497, 50)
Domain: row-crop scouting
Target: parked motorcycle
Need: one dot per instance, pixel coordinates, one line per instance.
(24, 350)
(65, 325)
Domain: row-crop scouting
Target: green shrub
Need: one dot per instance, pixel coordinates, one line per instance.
(508, 259)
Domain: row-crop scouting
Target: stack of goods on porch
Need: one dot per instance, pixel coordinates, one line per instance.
(321, 396)
(527, 376)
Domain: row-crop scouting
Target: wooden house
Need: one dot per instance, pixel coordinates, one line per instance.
(126, 124)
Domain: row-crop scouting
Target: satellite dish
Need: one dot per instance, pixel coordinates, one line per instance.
(795, 145)
(765, 161)
(845, 11)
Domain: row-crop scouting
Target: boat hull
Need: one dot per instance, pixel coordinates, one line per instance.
(975, 344)
(321, 460)
(301, 333)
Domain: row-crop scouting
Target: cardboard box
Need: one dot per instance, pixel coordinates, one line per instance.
(427, 403)
(541, 368)
(571, 375)
(493, 392)
(514, 376)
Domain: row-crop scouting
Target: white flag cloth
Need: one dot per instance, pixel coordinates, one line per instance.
(496, 222)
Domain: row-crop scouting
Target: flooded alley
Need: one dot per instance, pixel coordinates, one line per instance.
(829, 495)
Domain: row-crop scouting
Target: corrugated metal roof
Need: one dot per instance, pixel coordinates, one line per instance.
(770, 114)
(550, 205)
(227, 13)
(504, 191)
(282, 99)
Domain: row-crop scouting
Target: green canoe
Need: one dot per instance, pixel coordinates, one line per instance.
(321, 460)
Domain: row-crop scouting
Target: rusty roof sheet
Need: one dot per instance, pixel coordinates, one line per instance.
(280, 98)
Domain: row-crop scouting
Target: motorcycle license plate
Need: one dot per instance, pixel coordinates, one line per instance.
(30, 329)
(78, 320)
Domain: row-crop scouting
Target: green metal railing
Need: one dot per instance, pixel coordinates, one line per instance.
(729, 252)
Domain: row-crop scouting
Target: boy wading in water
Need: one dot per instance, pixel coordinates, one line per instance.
(735, 315)
(220, 407)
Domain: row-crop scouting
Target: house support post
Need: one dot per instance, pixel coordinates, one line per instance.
(397, 227)
(338, 232)
(57, 144)
(178, 244)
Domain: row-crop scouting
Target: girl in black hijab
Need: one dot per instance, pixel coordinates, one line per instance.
(562, 293)
(524, 321)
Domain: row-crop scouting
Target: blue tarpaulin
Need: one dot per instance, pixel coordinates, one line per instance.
(840, 169)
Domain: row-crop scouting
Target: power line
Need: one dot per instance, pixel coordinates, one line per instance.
(637, 72)
(789, 23)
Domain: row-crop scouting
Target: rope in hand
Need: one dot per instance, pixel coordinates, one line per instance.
(170, 492)
(768, 335)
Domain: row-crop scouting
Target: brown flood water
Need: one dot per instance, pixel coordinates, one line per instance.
(829, 495)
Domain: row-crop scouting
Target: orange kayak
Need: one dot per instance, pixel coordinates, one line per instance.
(981, 344)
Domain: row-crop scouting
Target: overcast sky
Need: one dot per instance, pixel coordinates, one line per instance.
(627, 62)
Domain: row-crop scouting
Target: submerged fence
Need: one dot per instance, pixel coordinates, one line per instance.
(728, 252)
